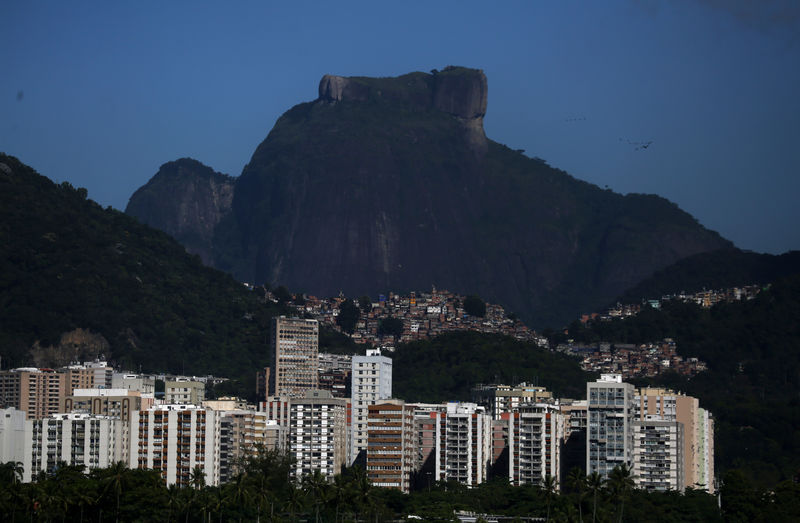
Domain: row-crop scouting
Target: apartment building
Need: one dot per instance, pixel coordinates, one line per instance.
(90, 375)
(454, 442)
(37, 392)
(371, 382)
(536, 432)
(317, 434)
(243, 433)
(184, 391)
(114, 403)
(503, 399)
(391, 448)
(16, 437)
(658, 461)
(294, 354)
(173, 439)
(698, 431)
(610, 415)
(76, 439)
(133, 381)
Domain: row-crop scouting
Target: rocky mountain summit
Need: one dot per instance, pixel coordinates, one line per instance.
(391, 184)
(187, 200)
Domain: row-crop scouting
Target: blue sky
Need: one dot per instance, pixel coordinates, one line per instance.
(101, 95)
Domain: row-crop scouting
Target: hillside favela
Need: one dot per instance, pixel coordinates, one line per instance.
(412, 298)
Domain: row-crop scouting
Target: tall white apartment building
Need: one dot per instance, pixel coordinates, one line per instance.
(173, 439)
(535, 435)
(16, 436)
(76, 439)
(467, 444)
(371, 382)
(702, 473)
(658, 462)
(294, 354)
(610, 416)
(317, 434)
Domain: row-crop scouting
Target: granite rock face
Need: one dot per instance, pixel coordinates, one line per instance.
(390, 184)
(187, 200)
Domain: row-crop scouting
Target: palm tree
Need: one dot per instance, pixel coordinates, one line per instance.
(173, 499)
(577, 481)
(239, 492)
(620, 483)
(549, 486)
(197, 477)
(294, 501)
(316, 485)
(594, 484)
(115, 481)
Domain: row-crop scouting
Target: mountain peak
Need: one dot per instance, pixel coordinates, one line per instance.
(459, 91)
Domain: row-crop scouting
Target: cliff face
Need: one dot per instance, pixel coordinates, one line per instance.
(187, 200)
(391, 184)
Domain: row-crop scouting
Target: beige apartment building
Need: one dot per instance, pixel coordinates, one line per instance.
(294, 354)
(391, 448)
(37, 392)
(698, 431)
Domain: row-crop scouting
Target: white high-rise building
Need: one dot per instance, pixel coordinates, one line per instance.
(16, 436)
(371, 382)
(317, 434)
(173, 439)
(536, 432)
(76, 439)
(467, 444)
(658, 462)
(610, 416)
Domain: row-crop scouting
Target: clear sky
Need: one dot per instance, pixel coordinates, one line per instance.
(100, 94)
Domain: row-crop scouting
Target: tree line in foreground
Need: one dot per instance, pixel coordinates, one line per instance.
(263, 491)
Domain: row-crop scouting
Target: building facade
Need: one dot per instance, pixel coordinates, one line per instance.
(371, 382)
(658, 463)
(391, 448)
(610, 415)
(294, 356)
(317, 434)
(173, 439)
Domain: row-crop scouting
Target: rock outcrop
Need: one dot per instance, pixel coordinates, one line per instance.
(390, 184)
(187, 200)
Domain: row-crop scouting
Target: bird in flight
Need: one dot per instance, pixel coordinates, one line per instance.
(639, 145)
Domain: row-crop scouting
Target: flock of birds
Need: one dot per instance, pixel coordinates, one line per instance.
(638, 146)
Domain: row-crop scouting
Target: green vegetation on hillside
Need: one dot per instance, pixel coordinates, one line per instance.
(753, 354)
(446, 368)
(720, 269)
(66, 263)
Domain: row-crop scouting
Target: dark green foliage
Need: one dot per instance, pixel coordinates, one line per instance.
(262, 491)
(753, 354)
(721, 269)
(474, 306)
(365, 303)
(390, 327)
(348, 316)
(66, 263)
(446, 368)
(331, 340)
